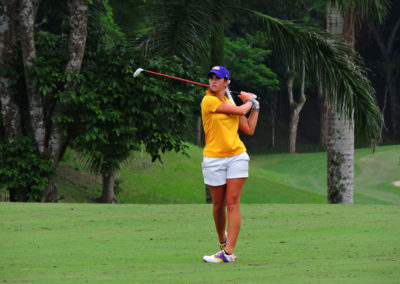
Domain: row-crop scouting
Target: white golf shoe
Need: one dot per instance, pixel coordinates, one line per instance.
(219, 257)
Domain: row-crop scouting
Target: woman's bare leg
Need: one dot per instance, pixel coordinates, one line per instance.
(219, 209)
(232, 197)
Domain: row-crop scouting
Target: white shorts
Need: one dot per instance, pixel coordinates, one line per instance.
(217, 170)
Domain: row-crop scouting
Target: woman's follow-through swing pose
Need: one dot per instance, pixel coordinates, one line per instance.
(225, 162)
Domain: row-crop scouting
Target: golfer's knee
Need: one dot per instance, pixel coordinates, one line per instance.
(233, 205)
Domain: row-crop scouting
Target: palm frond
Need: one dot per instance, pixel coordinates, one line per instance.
(330, 60)
(181, 28)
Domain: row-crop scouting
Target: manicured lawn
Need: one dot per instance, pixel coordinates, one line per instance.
(279, 243)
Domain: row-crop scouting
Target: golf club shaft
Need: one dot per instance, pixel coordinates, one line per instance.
(177, 78)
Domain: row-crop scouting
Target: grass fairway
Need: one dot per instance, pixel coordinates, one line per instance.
(279, 243)
(274, 178)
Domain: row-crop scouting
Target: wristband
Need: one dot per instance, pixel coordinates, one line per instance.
(252, 101)
(256, 105)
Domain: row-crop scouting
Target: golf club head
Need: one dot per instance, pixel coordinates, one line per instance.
(137, 72)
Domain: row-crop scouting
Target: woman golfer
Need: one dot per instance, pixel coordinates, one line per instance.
(225, 163)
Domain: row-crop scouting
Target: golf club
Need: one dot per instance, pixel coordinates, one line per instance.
(140, 70)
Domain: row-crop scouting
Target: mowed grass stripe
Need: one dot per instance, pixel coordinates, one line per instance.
(302, 243)
(274, 178)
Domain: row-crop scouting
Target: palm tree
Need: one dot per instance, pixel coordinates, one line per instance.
(342, 20)
(340, 135)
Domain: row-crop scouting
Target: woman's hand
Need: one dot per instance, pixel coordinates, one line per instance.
(245, 96)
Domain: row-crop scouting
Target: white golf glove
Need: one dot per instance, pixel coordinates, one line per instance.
(256, 105)
(253, 95)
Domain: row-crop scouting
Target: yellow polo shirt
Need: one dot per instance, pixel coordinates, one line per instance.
(221, 130)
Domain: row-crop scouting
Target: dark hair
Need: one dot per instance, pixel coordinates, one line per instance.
(210, 75)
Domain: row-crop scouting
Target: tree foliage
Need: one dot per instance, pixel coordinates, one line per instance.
(22, 167)
(246, 61)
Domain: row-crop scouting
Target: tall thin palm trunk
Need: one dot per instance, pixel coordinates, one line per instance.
(340, 158)
(340, 147)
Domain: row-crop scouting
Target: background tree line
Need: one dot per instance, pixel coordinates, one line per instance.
(66, 78)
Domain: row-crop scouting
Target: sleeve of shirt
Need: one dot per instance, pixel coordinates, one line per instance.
(210, 104)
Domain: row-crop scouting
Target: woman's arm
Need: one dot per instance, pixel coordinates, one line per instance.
(227, 108)
(248, 125)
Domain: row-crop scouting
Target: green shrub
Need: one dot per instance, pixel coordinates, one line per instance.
(23, 168)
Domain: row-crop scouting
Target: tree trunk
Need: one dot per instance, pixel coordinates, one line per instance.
(340, 168)
(340, 150)
(107, 195)
(50, 193)
(290, 82)
(395, 109)
(294, 122)
(27, 18)
(78, 19)
(295, 108)
(273, 114)
(198, 130)
(10, 112)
